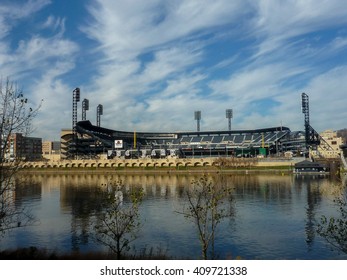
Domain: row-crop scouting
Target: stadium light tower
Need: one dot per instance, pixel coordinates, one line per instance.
(312, 137)
(229, 116)
(306, 112)
(85, 107)
(75, 99)
(99, 112)
(197, 116)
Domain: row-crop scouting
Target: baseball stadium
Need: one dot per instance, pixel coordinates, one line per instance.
(86, 140)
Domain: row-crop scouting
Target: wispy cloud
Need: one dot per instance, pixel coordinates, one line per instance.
(55, 24)
(278, 21)
(276, 68)
(12, 12)
(153, 63)
(36, 61)
(133, 26)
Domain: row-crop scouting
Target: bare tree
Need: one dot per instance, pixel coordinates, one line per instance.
(207, 208)
(334, 229)
(16, 116)
(119, 223)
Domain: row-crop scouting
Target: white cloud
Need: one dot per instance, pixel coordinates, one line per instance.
(130, 27)
(328, 99)
(162, 92)
(183, 85)
(167, 62)
(35, 62)
(55, 112)
(170, 33)
(153, 63)
(278, 21)
(339, 43)
(33, 54)
(39, 49)
(12, 12)
(55, 23)
(256, 82)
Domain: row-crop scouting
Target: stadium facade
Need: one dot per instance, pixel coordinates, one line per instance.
(88, 141)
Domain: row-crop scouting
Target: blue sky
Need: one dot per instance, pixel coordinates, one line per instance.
(153, 63)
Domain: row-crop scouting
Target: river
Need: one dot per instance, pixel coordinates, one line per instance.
(275, 216)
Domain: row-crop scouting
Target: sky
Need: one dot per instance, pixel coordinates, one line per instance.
(153, 63)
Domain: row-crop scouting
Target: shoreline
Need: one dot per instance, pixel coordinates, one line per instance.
(161, 170)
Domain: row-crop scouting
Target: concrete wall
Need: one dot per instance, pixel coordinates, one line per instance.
(154, 163)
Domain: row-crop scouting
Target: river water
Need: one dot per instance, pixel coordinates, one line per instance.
(275, 215)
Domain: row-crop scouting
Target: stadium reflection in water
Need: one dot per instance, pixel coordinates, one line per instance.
(275, 216)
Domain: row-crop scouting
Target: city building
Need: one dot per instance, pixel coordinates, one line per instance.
(330, 137)
(310, 167)
(24, 148)
(51, 150)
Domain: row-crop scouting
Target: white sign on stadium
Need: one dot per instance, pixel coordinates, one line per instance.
(118, 144)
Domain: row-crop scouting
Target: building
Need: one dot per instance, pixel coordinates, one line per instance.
(310, 167)
(66, 138)
(50, 147)
(330, 137)
(51, 150)
(93, 141)
(24, 148)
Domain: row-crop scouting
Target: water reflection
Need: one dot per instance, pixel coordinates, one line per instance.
(275, 215)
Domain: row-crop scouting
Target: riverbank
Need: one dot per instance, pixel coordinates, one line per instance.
(163, 170)
(166, 165)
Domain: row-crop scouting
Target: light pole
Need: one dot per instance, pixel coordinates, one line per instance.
(197, 116)
(75, 99)
(99, 112)
(229, 116)
(306, 112)
(85, 107)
